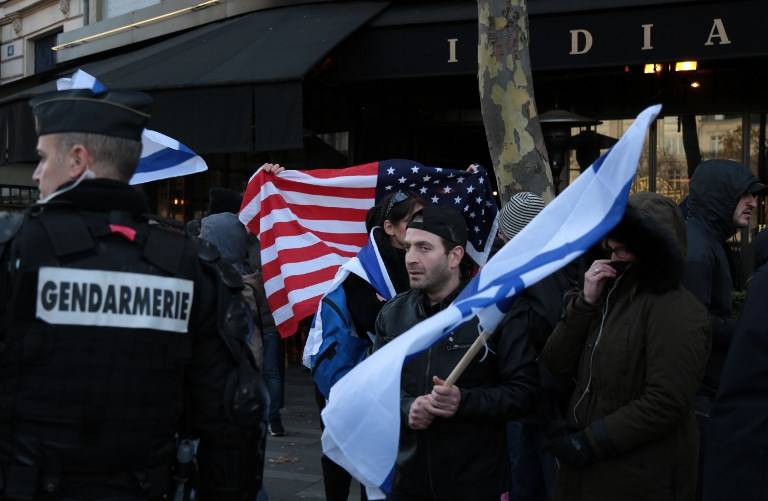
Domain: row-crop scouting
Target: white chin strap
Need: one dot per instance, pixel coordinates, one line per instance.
(87, 174)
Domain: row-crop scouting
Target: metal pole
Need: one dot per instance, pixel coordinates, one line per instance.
(747, 264)
(652, 147)
(761, 167)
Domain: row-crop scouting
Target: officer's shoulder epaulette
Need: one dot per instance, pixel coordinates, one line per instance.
(10, 223)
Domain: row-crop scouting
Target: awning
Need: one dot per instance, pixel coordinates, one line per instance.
(230, 86)
(424, 39)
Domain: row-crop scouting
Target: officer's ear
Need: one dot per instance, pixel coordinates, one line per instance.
(78, 159)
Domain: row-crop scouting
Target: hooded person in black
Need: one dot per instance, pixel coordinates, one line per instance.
(736, 462)
(721, 200)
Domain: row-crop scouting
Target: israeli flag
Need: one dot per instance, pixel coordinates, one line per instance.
(368, 265)
(362, 418)
(162, 157)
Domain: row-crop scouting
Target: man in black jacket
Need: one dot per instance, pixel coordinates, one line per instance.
(453, 438)
(120, 335)
(722, 198)
(737, 436)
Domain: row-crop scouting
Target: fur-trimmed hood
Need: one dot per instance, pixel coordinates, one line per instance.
(653, 228)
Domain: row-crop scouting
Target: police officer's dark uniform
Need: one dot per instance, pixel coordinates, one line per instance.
(119, 337)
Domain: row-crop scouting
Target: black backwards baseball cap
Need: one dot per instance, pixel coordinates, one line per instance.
(113, 113)
(444, 222)
(756, 188)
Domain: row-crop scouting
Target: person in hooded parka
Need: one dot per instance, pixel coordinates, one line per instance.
(636, 344)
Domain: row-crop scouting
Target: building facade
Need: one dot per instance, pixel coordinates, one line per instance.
(334, 83)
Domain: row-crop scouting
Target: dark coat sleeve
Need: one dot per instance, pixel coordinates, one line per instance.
(677, 343)
(746, 370)
(697, 278)
(512, 395)
(563, 350)
(265, 314)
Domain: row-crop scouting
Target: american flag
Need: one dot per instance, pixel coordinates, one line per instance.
(309, 222)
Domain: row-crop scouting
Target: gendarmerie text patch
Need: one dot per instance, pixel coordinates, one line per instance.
(74, 296)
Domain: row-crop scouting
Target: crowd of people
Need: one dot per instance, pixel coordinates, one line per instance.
(130, 346)
(603, 380)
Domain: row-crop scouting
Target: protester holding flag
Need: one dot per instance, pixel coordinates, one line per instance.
(636, 343)
(452, 438)
(347, 314)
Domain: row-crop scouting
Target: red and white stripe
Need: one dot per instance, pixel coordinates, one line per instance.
(308, 223)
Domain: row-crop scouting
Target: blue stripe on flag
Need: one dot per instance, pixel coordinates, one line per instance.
(370, 262)
(164, 159)
(98, 87)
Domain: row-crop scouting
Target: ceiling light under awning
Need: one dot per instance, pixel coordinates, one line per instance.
(686, 66)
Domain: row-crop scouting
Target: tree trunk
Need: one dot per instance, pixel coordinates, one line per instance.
(515, 140)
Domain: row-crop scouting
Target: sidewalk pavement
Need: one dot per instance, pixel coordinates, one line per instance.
(292, 468)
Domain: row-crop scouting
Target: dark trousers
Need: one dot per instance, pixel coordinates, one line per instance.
(274, 371)
(336, 480)
(533, 468)
(702, 408)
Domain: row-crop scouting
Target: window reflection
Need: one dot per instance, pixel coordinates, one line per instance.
(614, 129)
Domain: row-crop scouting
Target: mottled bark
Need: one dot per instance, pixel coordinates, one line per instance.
(512, 127)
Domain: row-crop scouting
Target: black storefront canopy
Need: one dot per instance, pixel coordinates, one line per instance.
(230, 86)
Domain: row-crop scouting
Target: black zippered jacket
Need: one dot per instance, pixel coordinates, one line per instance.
(716, 187)
(463, 457)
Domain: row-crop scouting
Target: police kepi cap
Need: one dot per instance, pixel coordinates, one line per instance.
(112, 113)
(442, 221)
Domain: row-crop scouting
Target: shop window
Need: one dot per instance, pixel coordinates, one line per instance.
(717, 136)
(580, 158)
(720, 136)
(17, 197)
(171, 201)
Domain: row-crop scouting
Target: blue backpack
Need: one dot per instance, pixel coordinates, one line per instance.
(341, 349)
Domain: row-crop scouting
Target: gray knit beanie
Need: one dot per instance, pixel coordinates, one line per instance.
(518, 212)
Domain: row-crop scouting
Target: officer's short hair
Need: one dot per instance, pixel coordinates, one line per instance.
(116, 154)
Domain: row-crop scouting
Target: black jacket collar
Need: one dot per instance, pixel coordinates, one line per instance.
(102, 195)
(430, 309)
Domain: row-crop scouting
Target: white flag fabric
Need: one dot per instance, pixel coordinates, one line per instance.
(362, 418)
(162, 157)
